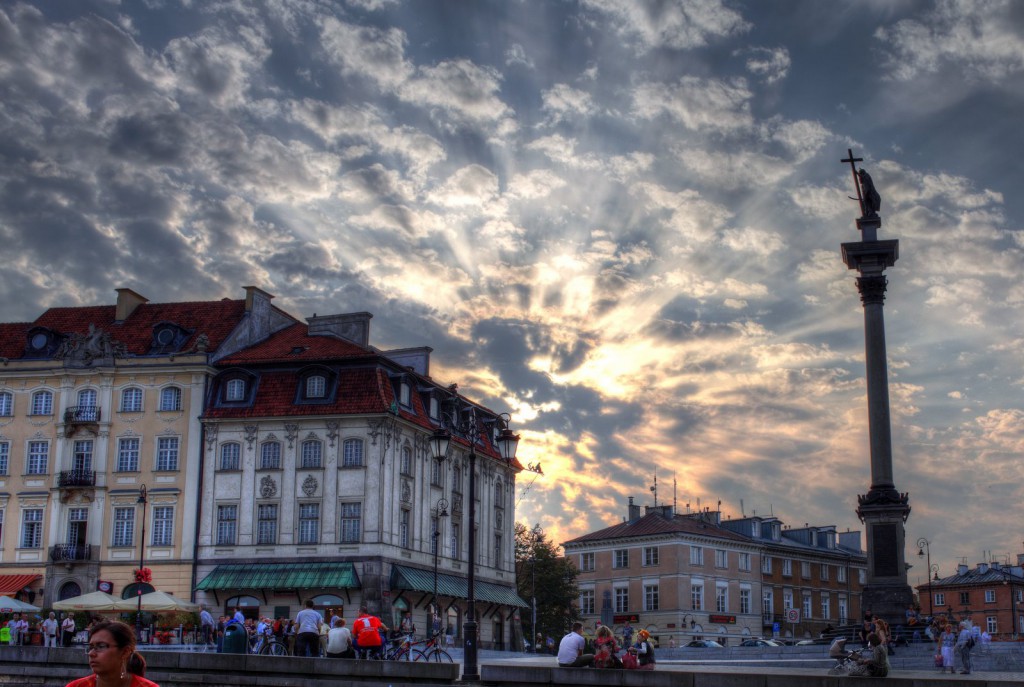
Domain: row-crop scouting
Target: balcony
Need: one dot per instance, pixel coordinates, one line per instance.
(76, 478)
(77, 417)
(71, 552)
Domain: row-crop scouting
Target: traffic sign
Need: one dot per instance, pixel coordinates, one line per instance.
(793, 615)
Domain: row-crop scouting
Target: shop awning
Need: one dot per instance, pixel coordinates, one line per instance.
(417, 580)
(12, 584)
(281, 576)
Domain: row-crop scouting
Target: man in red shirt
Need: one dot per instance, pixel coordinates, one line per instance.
(366, 629)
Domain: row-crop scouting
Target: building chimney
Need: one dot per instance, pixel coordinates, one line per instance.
(254, 294)
(354, 327)
(418, 359)
(962, 569)
(127, 301)
(996, 565)
(634, 511)
(982, 568)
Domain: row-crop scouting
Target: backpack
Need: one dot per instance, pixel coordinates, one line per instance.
(970, 642)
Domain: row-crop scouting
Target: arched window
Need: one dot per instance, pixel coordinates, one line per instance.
(6, 404)
(311, 455)
(499, 495)
(69, 590)
(270, 455)
(406, 466)
(170, 398)
(131, 400)
(42, 403)
(316, 386)
(230, 456)
(234, 390)
(352, 454)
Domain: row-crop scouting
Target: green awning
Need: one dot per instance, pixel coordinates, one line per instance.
(417, 580)
(281, 576)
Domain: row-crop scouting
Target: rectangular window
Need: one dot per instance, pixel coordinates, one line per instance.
(351, 522)
(124, 526)
(990, 596)
(991, 626)
(622, 600)
(744, 601)
(352, 455)
(807, 606)
(841, 573)
(270, 456)
(587, 601)
(940, 598)
(620, 558)
(651, 601)
(403, 528)
(456, 541)
(167, 453)
(82, 458)
(227, 525)
(435, 473)
(721, 558)
(862, 575)
(128, 455)
(843, 613)
(697, 597)
(38, 457)
(787, 599)
(32, 528)
(965, 598)
(435, 535)
(163, 525)
(230, 456)
(131, 400)
(170, 399)
(42, 403)
(744, 562)
(312, 454)
(6, 404)
(696, 555)
(768, 602)
(266, 523)
(309, 523)
(456, 479)
(826, 607)
(586, 562)
(499, 558)
(824, 571)
(405, 465)
(805, 570)
(766, 565)
(5, 457)
(651, 556)
(721, 599)
(787, 568)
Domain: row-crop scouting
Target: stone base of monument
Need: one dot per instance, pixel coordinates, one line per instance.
(888, 601)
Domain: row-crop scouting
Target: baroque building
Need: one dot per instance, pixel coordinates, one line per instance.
(95, 403)
(319, 482)
(990, 595)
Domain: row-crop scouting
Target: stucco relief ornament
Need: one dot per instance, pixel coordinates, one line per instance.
(309, 486)
(332, 431)
(406, 492)
(498, 518)
(250, 434)
(268, 487)
(211, 435)
(291, 430)
(83, 349)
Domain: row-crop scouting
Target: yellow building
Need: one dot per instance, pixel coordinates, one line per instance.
(96, 403)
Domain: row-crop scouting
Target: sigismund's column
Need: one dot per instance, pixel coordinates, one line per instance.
(883, 510)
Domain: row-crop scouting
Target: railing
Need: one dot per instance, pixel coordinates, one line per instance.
(71, 552)
(82, 414)
(77, 478)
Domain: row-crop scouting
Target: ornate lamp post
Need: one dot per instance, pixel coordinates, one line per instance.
(142, 560)
(442, 512)
(924, 549)
(471, 427)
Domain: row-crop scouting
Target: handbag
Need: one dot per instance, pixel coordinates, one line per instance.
(938, 660)
(629, 662)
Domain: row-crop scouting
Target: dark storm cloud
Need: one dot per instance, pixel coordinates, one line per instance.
(157, 139)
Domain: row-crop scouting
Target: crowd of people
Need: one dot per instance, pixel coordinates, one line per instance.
(20, 627)
(639, 655)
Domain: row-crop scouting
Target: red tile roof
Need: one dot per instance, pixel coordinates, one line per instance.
(216, 319)
(656, 523)
(294, 345)
(12, 338)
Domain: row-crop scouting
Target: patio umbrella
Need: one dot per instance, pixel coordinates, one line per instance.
(93, 601)
(9, 605)
(155, 602)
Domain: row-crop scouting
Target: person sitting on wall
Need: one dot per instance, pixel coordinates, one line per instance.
(570, 649)
(877, 665)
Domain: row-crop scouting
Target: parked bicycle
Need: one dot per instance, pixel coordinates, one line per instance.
(267, 645)
(433, 652)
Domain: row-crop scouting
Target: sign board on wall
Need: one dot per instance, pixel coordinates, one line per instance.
(105, 586)
(626, 618)
(722, 619)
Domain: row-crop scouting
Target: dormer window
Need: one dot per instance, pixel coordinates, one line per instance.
(405, 394)
(433, 408)
(167, 338)
(41, 342)
(316, 386)
(234, 390)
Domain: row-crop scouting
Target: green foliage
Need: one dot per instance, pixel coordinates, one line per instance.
(542, 573)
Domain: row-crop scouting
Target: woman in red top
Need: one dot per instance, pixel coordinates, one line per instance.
(113, 658)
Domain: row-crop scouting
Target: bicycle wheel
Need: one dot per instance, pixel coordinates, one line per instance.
(274, 649)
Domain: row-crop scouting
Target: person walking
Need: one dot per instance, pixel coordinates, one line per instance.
(947, 640)
(206, 626)
(307, 637)
(964, 644)
(67, 631)
(50, 630)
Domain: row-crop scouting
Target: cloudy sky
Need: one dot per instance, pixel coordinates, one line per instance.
(619, 220)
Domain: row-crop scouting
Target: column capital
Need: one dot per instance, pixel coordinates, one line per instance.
(872, 289)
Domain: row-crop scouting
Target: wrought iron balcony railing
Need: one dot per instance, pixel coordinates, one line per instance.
(71, 552)
(82, 414)
(76, 478)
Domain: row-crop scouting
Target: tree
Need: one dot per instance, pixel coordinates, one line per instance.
(543, 574)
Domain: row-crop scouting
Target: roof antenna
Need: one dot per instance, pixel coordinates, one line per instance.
(674, 493)
(654, 489)
(743, 512)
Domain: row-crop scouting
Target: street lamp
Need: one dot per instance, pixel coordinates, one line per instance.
(442, 512)
(142, 561)
(924, 549)
(470, 427)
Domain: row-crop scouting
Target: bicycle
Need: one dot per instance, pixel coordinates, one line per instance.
(433, 652)
(402, 650)
(267, 645)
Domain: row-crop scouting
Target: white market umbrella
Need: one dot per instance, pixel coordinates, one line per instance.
(93, 601)
(9, 605)
(155, 602)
